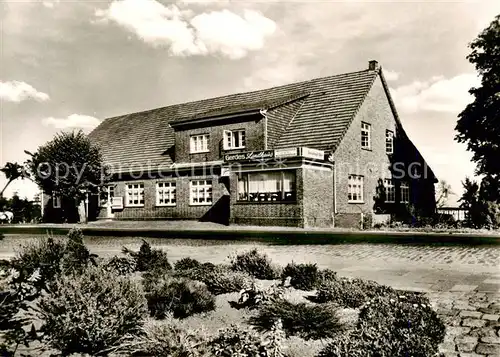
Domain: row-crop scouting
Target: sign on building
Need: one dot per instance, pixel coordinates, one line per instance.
(250, 155)
(312, 153)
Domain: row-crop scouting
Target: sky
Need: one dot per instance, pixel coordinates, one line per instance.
(70, 64)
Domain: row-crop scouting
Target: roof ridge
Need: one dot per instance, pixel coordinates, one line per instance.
(238, 93)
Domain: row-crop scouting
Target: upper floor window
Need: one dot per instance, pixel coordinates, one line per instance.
(405, 193)
(234, 139)
(272, 186)
(389, 141)
(201, 192)
(390, 192)
(134, 195)
(165, 194)
(355, 189)
(366, 136)
(199, 143)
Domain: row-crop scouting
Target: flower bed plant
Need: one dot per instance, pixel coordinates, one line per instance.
(302, 276)
(303, 320)
(90, 312)
(255, 264)
(180, 297)
(351, 293)
(394, 325)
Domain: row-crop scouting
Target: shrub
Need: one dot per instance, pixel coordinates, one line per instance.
(302, 320)
(327, 275)
(91, 312)
(219, 279)
(181, 297)
(166, 339)
(186, 264)
(120, 265)
(148, 258)
(350, 293)
(238, 342)
(45, 255)
(303, 276)
(256, 264)
(15, 297)
(391, 326)
(223, 281)
(76, 254)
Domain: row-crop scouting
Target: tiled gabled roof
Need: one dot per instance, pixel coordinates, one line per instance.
(313, 113)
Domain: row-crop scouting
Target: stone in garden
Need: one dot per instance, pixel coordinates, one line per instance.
(494, 340)
(466, 343)
(448, 347)
(488, 349)
(447, 312)
(473, 323)
(490, 317)
(471, 314)
(463, 305)
(482, 332)
(457, 331)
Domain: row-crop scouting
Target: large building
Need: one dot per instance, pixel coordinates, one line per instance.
(325, 152)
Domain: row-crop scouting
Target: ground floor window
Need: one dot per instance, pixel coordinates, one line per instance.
(355, 189)
(272, 186)
(200, 192)
(405, 193)
(390, 192)
(165, 193)
(135, 195)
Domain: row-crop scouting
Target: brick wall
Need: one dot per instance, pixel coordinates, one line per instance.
(182, 210)
(254, 140)
(318, 196)
(373, 164)
(348, 220)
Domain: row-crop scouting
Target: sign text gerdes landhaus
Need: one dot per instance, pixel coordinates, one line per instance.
(250, 155)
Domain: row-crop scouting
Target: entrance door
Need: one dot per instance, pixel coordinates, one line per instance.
(110, 194)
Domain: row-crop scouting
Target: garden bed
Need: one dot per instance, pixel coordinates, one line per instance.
(139, 303)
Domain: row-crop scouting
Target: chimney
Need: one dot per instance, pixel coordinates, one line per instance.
(373, 65)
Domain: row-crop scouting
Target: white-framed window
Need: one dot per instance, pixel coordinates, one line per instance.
(200, 192)
(389, 142)
(134, 194)
(390, 191)
(366, 136)
(355, 189)
(405, 192)
(56, 201)
(165, 193)
(198, 143)
(234, 139)
(271, 186)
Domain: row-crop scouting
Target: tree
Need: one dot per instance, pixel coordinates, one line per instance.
(70, 166)
(479, 123)
(470, 201)
(443, 192)
(12, 171)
